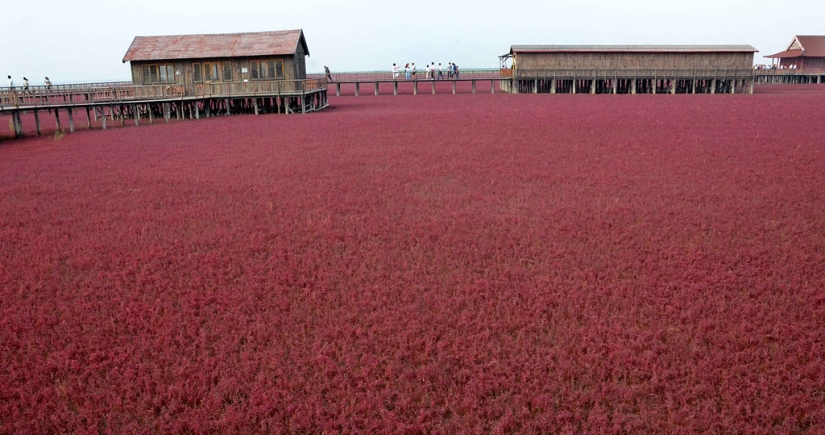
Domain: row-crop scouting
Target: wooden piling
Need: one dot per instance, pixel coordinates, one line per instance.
(453, 87)
(57, 118)
(70, 110)
(357, 89)
(135, 115)
(376, 88)
(37, 122)
(102, 116)
(88, 118)
(474, 86)
(337, 89)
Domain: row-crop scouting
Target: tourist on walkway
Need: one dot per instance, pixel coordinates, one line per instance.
(48, 84)
(427, 68)
(432, 70)
(407, 70)
(394, 72)
(327, 73)
(25, 85)
(11, 84)
(413, 70)
(455, 70)
(440, 75)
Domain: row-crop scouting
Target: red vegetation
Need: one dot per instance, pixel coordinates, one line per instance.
(476, 263)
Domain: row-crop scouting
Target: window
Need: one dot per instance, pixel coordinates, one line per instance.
(210, 72)
(196, 73)
(158, 74)
(266, 69)
(227, 71)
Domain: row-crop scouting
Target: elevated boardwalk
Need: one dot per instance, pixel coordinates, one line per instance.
(122, 101)
(573, 81)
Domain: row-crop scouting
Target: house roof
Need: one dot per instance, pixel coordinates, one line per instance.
(803, 46)
(632, 49)
(225, 45)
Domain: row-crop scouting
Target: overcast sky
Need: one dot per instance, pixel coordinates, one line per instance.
(84, 40)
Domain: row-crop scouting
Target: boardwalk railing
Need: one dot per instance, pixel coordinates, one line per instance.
(373, 76)
(67, 95)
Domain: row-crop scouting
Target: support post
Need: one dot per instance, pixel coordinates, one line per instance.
(337, 89)
(415, 87)
(56, 118)
(553, 86)
(376, 88)
(453, 87)
(536, 86)
(135, 114)
(433, 82)
(255, 105)
(395, 87)
(615, 86)
(633, 86)
(493, 86)
(474, 86)
(88, 118)
(197, 111)
(17, 124)
(672, 86)
(102, 116)
(593, 85)
(70, 110)
(122, 115)
(713, 86)
(733, 86)
(750, 87)
(357, 89)
(37, 122)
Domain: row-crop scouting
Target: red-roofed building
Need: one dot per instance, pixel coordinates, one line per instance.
(228, 57)
(804, 52)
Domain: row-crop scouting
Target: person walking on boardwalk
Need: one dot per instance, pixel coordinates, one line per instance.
(440, 74)
(413, 70)
(427, 69)
(11, 84)
(407, 71)
(48, 84)
(432, 71)
(455, 70)
(25, 85)
(327, 73)
(394, 71)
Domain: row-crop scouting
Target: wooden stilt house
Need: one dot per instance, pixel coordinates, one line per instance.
(630, 68)
(805, 52)
(218, 58)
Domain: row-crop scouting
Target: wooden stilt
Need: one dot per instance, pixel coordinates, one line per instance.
(376, 88)
(57, 118)
(474, 86)
(227, 106)
(357, 89)
(70, 110)
(88, 118)
(135, 115)
(453, 87)
(37, 122)
(337, 89)
(17, 125)
(255, 105)
(102, 116)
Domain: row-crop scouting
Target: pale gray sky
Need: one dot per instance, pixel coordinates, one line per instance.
(85, 40)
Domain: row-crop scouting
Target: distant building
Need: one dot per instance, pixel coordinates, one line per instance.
(631, 57)
(630, 68)
(218, 58)
(804, 52)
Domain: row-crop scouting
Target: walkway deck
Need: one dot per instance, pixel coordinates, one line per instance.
(120, 101)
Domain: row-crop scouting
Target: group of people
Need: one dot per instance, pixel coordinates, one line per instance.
(431, 70)
(47, 82)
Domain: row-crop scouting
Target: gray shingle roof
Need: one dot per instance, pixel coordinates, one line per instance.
(633, 48)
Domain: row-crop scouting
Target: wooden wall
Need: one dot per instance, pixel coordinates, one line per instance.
(809, 63)
(294, 68)
(626, 61)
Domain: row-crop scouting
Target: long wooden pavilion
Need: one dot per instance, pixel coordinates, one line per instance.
(631, 69)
